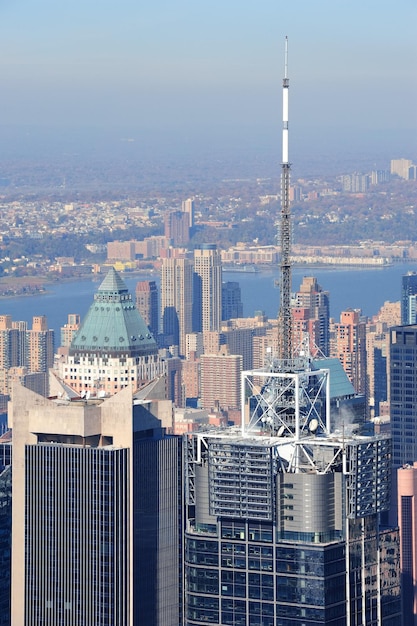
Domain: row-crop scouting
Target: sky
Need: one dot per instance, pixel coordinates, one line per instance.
(189, 72)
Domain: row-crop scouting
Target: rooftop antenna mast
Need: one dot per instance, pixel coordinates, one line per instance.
(284, 318)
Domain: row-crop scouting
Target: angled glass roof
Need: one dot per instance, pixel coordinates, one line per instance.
(340, 385)
(113, 325)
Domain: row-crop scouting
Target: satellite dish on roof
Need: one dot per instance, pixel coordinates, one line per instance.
(313, 425)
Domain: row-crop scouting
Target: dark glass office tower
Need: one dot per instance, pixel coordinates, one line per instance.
(408, 298)
(403, 393)
(283, 516)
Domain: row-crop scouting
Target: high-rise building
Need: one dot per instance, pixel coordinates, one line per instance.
(283, 517)
(39, 346)
(220, 379)
(355, 183)
(113, 347)
(407, 520)
(177, 228)
(348, 344)
(188, 207)
(25, 355)
(404, 168)
(311, 315)
(232, 306)
(208, 269)
(5, 529)
(403, 394)
(147, 304)
(9, 344)
(177, 289)
(69, 329)
(408, 298)
(96, 513)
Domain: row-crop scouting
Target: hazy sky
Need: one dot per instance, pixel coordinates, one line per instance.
(192, 69)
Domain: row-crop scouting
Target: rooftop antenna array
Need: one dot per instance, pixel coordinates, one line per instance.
(284, 318)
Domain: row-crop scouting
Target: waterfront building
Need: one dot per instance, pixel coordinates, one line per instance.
(407, 521)
(121, 251)
(408, 298)
(147, 304)
(9, 343)
(113, 347)
(39, 346)
(69, 329)
(25, 355)
(232, 306)
(208, 269)
(96, 513)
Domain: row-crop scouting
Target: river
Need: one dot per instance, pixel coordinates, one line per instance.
(366, 289)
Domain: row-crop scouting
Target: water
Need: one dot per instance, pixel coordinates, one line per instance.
(366, 289)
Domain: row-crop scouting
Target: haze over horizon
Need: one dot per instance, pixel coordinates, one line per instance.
(187, 78)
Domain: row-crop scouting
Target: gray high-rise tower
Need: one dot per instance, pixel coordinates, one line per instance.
(96, 515)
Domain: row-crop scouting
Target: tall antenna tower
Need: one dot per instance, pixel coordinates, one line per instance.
(284, 318)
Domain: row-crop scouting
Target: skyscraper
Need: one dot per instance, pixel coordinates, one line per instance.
(283, 518)
(177, 282)
(403, 394)
(220, 379)
(311, 314)
(407, 520)
(408, 298)
(113, 347)
(208, 268)
(96, 513)
(39, 346)
(177, 228)
(5, 528)
(232, 306)
(348, 344)
(147, 304)
(188, 207)
(69, 329)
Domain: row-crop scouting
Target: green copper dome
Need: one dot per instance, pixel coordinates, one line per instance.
(113, 325)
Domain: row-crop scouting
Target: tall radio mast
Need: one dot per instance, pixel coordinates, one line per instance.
(284, 318)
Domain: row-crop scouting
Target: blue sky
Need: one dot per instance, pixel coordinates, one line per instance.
(192, 68)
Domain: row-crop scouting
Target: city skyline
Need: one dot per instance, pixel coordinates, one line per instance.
(185, 78)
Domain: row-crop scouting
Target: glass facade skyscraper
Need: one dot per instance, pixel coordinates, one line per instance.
(283, 516)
